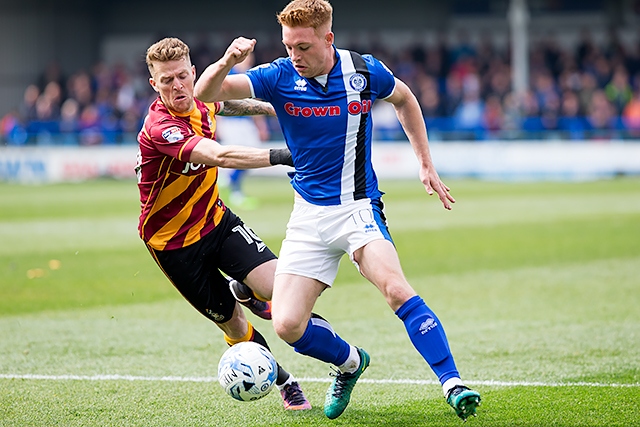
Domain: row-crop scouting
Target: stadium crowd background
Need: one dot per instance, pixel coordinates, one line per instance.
(589, 90)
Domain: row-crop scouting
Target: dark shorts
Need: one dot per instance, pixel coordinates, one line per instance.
(232, 247)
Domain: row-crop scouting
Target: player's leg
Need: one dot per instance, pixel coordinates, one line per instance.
(215, 301)
(248, 260)
(378, 262)
(205, 288)
(192, 272)
(245, 257)
(293, 397)
(254, 291)
(305, 268)
(309, 334)
(238, 331)
(260, 279)
(244, 295)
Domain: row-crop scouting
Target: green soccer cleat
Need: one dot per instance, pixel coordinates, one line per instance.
(339, 392)
(464, 401)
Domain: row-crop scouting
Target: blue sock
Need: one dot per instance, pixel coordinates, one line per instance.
(428, 337)
(321, 342)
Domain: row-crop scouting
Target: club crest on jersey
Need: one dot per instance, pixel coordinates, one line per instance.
(358, 82)
(172, 134)
(301, 85)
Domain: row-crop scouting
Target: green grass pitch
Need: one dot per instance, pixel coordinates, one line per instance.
(537, 285)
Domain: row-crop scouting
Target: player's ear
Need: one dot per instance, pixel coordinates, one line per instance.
(153, 84)
(329, 37)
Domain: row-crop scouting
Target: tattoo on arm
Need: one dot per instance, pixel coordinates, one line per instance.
(247, 107)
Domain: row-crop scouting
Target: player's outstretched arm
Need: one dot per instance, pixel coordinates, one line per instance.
(410, 117)
(210, 152)
(215, 85)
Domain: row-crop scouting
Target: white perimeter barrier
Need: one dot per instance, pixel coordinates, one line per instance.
(529, 160)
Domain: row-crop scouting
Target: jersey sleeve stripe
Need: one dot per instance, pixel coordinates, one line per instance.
(185, 151)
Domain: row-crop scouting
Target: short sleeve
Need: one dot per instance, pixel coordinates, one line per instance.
(174, 138)
(263, 79)
(385, 80)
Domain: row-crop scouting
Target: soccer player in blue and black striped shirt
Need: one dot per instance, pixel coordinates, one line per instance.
(323, 96)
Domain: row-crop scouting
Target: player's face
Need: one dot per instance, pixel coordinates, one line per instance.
(311, 53)
(174, 81)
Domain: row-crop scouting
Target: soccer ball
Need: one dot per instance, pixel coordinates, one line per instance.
(247, 371)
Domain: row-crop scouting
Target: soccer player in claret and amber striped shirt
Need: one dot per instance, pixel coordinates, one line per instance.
(187, 228)
(179, 199)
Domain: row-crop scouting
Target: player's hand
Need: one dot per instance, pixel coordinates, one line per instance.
(239, 49)
(432, 183)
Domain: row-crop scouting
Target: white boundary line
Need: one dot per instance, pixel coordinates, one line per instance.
(491, 383)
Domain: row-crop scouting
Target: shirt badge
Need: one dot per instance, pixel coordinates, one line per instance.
(172, 134)
(358, 82)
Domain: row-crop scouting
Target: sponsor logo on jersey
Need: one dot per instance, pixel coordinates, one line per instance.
(359, 107)
(358, 82)
(354, 108)
(296, 111)
(172, 134)
(428, 325)
(193, 167)
(301, 85)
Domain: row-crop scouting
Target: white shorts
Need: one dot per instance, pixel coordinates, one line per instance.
(318, 236)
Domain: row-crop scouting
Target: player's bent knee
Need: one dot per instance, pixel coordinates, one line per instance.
(288, 329)
(397, 293)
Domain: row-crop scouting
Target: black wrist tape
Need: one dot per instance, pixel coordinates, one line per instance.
(280, 156)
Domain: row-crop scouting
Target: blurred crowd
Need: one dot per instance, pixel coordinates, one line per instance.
(104, 105)
(588, 91)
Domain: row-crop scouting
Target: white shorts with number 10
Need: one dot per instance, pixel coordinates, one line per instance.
(318, 236)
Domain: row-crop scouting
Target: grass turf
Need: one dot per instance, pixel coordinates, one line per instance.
(536, 283)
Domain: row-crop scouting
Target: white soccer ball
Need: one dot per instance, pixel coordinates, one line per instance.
(247, 371)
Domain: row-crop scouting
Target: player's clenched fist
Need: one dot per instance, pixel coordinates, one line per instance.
(239, 49)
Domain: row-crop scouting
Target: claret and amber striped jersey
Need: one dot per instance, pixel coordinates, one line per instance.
(179, 200)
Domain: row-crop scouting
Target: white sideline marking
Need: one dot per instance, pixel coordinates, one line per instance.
(303, 380)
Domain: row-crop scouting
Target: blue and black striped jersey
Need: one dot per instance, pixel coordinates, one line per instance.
(327, 128)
